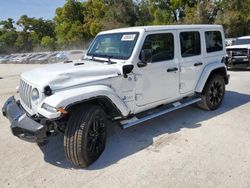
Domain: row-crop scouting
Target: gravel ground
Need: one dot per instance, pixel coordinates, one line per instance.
(186, 148)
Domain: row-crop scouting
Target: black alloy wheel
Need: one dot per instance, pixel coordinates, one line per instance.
(213, 93)
(96, 136)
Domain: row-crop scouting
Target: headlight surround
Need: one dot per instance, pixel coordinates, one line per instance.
(49, 108)
(35, 95)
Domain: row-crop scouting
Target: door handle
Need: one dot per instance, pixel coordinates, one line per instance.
(172, 69)
(198, 64)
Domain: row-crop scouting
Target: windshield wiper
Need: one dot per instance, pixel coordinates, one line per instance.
(109, 59)
(93, 58)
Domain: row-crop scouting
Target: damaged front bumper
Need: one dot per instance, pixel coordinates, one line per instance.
(22, 126)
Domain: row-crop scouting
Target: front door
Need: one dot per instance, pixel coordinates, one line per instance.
(159, 80)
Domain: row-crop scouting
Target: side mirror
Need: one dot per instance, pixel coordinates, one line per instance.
(126, 69)
(146, 57)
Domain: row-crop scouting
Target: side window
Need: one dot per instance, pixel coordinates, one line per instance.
(190, 43)
(213, 41)
(162, 46)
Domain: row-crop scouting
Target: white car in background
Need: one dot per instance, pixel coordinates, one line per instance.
(229, 41)
(75, 54)
(45, 59)
(33, 59)
(58, 57)
(20, 58)
(4, 59)
(238, 55)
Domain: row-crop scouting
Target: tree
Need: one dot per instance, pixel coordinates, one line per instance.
(77, 21)
(8, 36)
(200, 12)
(94, 13)
(143, 13)
(69, 27)
(7, 25)
(48, 43)
(234, 15)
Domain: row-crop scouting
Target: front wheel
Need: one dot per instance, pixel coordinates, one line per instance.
(213, 93)
(85, 135)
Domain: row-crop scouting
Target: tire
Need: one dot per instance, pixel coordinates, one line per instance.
(213, 93)
(85, 135)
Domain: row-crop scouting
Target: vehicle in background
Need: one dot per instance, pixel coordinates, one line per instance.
(19, 58)
(75, 54)
(238, 55)
(33, 59)
(59, 57)
(4, 59)
(39, 59)
(230, 41)
(26, 59)
(12, 58)
(42, 57)
(45, 59)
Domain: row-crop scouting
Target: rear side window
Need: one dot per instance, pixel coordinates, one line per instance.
(190, 43)
(213, 41)
(162, 46)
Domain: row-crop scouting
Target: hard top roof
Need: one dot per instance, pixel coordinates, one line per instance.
(162, 27)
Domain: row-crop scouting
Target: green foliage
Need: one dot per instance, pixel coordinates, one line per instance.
(8, 36)
(235, 17)
(77, 22)
(48, 43)
(69, 27)
(7, 25)
(7, 41)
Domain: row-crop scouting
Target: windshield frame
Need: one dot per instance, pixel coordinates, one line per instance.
(113, 57)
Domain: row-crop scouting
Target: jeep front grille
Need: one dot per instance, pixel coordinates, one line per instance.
(25, 93)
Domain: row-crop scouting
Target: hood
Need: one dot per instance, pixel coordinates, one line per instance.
(239, 46)
(62, 75)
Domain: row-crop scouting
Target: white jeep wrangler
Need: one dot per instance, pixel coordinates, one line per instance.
(128, 75)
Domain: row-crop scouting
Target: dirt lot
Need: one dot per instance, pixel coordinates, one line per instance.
(187, 148)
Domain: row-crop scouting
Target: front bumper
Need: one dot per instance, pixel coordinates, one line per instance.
(22, 126)
(235, 61)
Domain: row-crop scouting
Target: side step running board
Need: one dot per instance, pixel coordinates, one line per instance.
(163, 110)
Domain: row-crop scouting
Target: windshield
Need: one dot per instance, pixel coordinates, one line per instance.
(115, 45)
(241, 41)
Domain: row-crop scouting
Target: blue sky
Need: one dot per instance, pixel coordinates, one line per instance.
(33, 8)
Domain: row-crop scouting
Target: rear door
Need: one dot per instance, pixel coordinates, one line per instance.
(191, 59)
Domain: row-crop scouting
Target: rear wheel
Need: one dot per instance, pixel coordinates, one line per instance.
(85, 135)
(213, 93)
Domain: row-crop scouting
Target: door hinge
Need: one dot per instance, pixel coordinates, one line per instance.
(181, 85)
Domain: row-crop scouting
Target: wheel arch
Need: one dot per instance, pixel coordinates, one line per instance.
(103, 101)
(208, 72)
(101, 95)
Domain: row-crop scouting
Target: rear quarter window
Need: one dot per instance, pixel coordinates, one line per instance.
(213, 41)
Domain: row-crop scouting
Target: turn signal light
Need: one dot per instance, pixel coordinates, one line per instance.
(62, 110)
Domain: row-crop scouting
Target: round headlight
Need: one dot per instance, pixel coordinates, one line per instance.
(35, 94)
